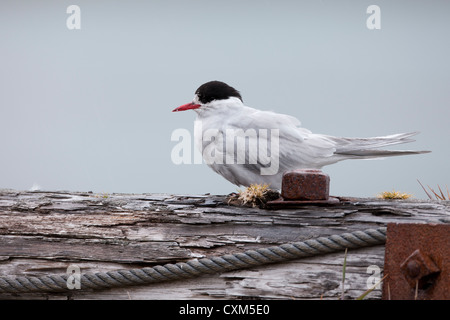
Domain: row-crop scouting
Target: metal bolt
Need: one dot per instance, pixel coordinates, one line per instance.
(413, 268)
(305, 184)
(419, 269)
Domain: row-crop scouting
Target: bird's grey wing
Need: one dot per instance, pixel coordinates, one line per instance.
(234, 156)
(297, 147)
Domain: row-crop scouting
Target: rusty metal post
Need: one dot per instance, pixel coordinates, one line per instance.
(305, 184)
(417, 262)
(304, 187)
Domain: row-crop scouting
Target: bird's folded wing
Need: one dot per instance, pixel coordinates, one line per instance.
(297, 147)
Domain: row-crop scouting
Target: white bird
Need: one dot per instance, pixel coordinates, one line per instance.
(242, 160)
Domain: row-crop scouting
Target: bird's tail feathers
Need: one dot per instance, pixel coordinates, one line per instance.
(366, 148)
(377, 153)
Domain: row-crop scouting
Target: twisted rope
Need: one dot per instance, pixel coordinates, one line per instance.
(197, 267)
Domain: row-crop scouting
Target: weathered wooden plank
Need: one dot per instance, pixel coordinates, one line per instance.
(311, 278)
(91, 249)
(43, 233)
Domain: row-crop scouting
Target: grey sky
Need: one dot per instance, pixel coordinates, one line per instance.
(90, 109)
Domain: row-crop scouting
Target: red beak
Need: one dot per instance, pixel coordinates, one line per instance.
(187, 106)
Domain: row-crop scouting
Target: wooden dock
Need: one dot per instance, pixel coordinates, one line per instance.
(43, 233)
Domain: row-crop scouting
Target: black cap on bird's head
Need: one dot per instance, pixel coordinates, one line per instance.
(216, 90)
(210, 91)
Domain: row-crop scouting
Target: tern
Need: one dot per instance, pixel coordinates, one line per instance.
(249, 146)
